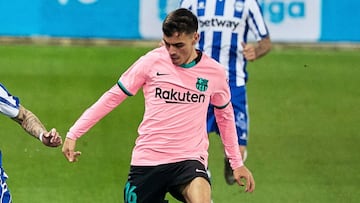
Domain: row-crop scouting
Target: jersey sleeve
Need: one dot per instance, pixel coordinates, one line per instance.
(9, 104)
(221, 96)
(256, 21)
(134, 78)
(225, 121)
(105, 104)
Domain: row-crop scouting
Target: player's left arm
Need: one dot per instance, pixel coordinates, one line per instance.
(226, 123)
(263, 47)
(258, 27)
(252, 52)
(225, 119)
(32, 124)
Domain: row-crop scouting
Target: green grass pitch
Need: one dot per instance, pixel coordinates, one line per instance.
(304, 134)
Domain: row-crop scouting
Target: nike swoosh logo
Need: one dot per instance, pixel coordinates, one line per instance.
(160, 74)
(201, 171)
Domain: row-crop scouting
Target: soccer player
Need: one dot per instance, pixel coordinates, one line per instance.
(223, 28)
(171, 150)
(10, 106)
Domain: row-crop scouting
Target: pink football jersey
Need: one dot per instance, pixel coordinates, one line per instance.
(173, 128)
(176, 102)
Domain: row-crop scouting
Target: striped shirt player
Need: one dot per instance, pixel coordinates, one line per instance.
(9, 106)
(224, 26)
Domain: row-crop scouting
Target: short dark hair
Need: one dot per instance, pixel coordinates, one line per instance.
(180, 20)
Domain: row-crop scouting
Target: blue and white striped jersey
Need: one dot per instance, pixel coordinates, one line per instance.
(223, 26)
(9, 105)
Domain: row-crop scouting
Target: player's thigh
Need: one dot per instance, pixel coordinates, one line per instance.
(144, 185)
(198, 190)
(190, 182)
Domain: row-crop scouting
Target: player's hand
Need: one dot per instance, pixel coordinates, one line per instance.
(52, 138)
(69, 150)
(249, 51)
(243, 173)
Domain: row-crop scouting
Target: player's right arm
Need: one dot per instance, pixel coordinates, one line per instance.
(106, 103)
(128, 84)
(32, 125)
(10, 106)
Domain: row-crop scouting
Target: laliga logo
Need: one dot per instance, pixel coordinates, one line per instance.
(64, 2)
(278, 11)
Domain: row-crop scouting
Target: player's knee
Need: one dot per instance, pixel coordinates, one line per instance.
(198, 190)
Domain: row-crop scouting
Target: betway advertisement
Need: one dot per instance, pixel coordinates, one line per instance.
(287, 20)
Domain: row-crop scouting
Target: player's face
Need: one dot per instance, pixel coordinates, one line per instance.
(181, 47)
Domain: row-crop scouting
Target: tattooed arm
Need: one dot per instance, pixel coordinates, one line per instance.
(31, 124)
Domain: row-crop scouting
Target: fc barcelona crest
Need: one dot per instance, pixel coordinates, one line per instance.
(202, 84)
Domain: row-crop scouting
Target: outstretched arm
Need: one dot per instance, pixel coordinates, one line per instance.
(32, 124)
(106, 103)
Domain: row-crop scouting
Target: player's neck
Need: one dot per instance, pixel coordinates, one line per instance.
(196, 59)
